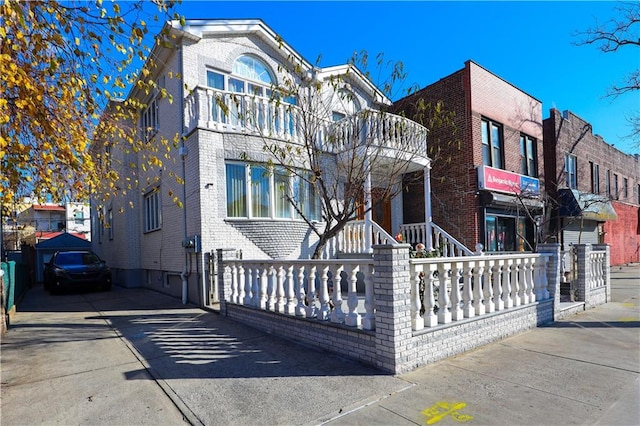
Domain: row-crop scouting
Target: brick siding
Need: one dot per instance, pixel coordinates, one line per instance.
(566, 133)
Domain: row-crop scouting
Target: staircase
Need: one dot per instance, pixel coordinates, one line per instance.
(354, 241)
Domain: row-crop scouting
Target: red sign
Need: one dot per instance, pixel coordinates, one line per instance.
(504, 181)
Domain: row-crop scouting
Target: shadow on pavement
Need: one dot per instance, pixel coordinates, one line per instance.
(176, 341)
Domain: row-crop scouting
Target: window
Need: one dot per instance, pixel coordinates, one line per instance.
(107, 153)
(337, 116)
(607, 183)
(344, 103)
(110, 223)
(492, 144)
(625, 188)
(616, 194)
(99, 221)
(236, 190)
(508, 233)
(595, 178)
(78, 217)
(305, 198)
(570, 169)
(250, 75)
(252, 68)
(260, 191)
(269, 193)
(529, 155)
(152, 210)
(149, 120)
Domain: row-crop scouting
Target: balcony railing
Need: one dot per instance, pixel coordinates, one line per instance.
(220, 110)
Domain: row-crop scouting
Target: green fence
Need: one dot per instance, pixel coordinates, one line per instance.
(16, 283)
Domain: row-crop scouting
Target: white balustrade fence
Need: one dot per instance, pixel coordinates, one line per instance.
(226, 111)
(306, 288)
(450, 289)
(597, 263)
(442, 289)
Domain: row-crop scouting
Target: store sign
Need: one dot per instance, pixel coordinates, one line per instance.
(503, 181)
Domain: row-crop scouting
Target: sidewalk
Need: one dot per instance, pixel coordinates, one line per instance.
(133, 356)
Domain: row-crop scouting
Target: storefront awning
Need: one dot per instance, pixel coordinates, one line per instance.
(489, 198)
(574, 203)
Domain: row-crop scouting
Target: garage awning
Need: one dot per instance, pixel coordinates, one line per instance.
(574, 203)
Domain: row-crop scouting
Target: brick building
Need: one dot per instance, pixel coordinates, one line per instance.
(486, 175)
(594, 188)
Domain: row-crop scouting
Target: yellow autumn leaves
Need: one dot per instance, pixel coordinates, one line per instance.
(57, 62)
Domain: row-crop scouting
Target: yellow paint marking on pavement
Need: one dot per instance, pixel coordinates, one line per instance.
(629, 305)
(442, 409)
(628, 319)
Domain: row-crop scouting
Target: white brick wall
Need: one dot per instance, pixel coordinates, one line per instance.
(205, 205)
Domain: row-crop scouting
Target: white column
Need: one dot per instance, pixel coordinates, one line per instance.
(427, 207)
(367, 207)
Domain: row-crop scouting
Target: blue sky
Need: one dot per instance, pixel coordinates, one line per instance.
(529, 44)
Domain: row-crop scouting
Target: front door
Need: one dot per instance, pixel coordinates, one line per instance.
(381, 209)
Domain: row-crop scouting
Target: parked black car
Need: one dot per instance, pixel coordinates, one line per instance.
(78, 269)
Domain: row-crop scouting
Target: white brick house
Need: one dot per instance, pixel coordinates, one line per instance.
(220, 78)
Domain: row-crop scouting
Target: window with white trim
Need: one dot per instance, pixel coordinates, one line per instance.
(255, 191)
(152, 218)
(110, 223)
(78, 217)
(492, 144)
(595, 178)
(250, 75)
(571, 170)
(149, 119)
(529, 156)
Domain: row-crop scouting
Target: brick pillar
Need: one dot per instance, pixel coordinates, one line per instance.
(224, 277)
(583, 253)
(392, 290)
(606, 266)
(553, 271)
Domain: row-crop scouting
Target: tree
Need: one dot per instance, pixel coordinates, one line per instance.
(346, 155)
(613, 35)
(60, 64)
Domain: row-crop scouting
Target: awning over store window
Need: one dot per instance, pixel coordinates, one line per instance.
(489, 198)
(574, 203)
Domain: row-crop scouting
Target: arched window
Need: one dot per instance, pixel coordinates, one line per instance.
(252, 68)
(345, 103)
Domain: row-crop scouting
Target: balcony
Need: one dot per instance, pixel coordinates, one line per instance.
(223, 111)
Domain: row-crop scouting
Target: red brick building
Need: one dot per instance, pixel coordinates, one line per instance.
(487, 174)
(594, 188)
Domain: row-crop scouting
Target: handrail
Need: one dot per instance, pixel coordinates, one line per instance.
(414, 233)
(451, 240)
(381, 236)
(352, 239)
